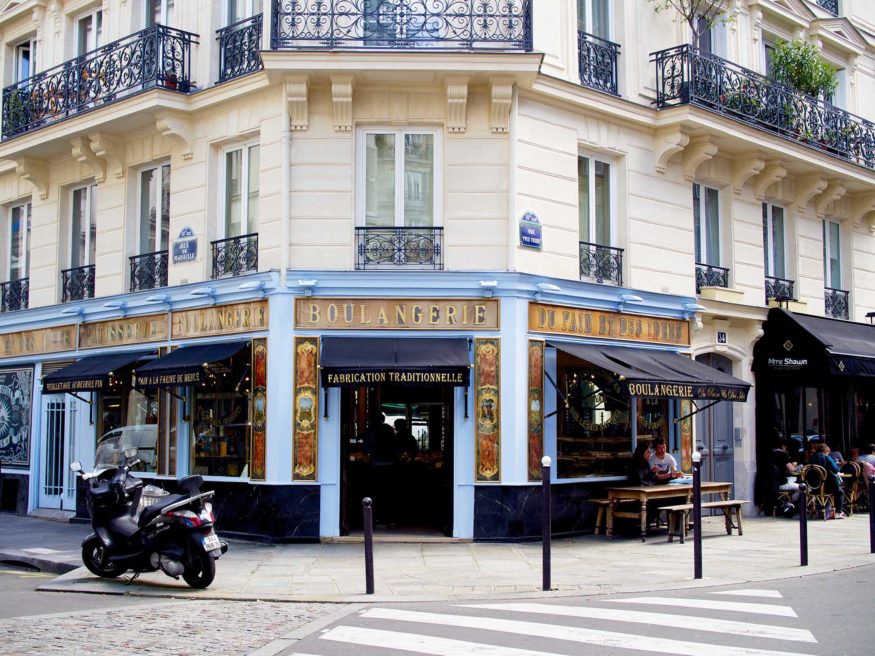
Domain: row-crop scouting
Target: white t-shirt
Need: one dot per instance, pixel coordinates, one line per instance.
(663, 465)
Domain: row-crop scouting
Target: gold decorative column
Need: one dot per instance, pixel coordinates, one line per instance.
(686, 463)
(487, 381)
(535, 408)
(305, 409)
(258, 454)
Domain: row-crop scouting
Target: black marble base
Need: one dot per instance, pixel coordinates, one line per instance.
(14, 492)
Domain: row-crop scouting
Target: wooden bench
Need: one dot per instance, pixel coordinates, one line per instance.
(677, 516)
(602, 505)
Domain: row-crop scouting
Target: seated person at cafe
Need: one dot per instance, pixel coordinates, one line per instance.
(640, 472)
(784, 470)
(833, 480)
(868, 454)
(662, 464)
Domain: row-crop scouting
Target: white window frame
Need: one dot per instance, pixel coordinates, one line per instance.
(91, 192)
(96, 38)
(827, 244)
(246, 222)
(158, 168)
(166, 10)
(27, 210)
(769, 246)
(612, 197)
(251, 8)
(30, 44)
(587, 22)
(703, 224)
(361, 173)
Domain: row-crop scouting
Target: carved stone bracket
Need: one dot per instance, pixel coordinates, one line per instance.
(296, 98)
(771, 173)
(341, 96)
(697, 152)
(110, 150)
(457, 103)
(177, 127)
(744, 169)
(807, 188)
(501, 102)
(832, 193)
(82, 154)
(669, 142)
(34, 171)
(859, 205)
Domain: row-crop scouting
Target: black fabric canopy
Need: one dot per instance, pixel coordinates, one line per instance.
(90, 374)
(799, 344)
(352, 361)
(661, 374)
(184, 366)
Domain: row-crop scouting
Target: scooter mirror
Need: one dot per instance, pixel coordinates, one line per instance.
(130, 452)
(76, 466)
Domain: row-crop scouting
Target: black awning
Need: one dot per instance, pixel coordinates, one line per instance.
(352, 361)
(799, 344)
(660, 374)
(90, 374)
(185, 366)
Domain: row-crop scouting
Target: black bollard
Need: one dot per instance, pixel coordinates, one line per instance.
(697, 515)
(803, 525)
(546, 529)
(872, 514)
(369, 544)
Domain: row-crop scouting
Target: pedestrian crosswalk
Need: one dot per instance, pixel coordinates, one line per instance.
(728, 623)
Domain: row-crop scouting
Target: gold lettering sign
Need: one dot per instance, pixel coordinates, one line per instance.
(220, 320)
(117, 332)
(396, 314)
(34, 342)
(580, 322)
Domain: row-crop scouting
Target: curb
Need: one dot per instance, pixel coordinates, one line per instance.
(42, 564)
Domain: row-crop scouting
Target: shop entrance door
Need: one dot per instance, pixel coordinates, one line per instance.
(397, 448)
(57, 488)
(714, 430)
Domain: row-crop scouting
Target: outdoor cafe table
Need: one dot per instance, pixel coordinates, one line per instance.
(643, 494)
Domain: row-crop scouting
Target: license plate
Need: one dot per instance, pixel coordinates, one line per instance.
(211, 542)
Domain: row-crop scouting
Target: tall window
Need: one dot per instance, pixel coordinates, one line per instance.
(154, 209)
(399, 179)
(25, 60)
(19, 242)
(239, 9)
(89, 31)
(159, 12)
(83, 223)
(241, 190)
(706, 217)
(712, 38)
(594, 200)
(594, 17)
(832, 255)
(774, 241)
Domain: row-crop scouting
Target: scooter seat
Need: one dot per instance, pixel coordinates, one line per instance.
(151, 512)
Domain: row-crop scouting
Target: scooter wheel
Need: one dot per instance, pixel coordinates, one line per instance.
(202, 572)
(93, 555)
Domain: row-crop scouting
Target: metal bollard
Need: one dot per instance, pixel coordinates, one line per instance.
(803, 525)
(697, 515)
(369, 544)
(872, 514)
(546, 524)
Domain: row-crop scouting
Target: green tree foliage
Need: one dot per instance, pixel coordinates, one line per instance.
(692, 11)
(796, 64)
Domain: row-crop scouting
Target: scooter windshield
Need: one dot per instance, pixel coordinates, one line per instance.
(110, 451)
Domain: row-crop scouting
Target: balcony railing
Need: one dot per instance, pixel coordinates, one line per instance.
(779, 289)
(77, 284)
(239, 44)
(158, 56)
(685, 74)
(14, 295)
(832, 6)
(836, 303)
(149, 271)
(709, 275)
(598, 62)
(389, 248)
(235, 255)
(406, 24)
(602, 264)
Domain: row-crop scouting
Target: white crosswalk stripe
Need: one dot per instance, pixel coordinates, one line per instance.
(773, 594)
(736, 606)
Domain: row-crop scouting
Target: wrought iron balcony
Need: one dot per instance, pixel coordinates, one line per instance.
(836, 303)
(407, 24)
(598, 62)
(77, 284)
(832, 6)
(709, 275)
(235, 255)
(602, 264)
(149, 271)
(686, 75)
(14, 295)
(239, 44)
(158, 56)
(389, 248)
(779, 289)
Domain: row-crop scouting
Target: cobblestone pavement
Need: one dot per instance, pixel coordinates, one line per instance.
(198, 628)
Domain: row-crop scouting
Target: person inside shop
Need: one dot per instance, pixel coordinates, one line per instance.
(405, 443)
(379, 443)
(868, 454)
(810, 452)
(784, 471)
(640, 472)
(662, 464)
(833, 480)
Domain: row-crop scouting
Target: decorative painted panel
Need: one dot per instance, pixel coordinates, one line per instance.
(259, 409)
(487, 381)
(306, 409)
(16, 389)
(535, 408)
(686, 462)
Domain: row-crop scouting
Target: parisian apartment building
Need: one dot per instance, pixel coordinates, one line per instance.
(322, 250)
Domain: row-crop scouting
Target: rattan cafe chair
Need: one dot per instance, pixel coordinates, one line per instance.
(814, 476)
(851, 484)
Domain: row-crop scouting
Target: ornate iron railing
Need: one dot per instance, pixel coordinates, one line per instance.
(14, 295)
(149, 271)
(239, 44)
(158, 56)
(430, 24)
(603, 264)
(413, 248)
(235, 255)
(836, 303)
(710, 275)
(832, 6)
(779, 289)
(598, 62)
(686, 75)
(77, 283)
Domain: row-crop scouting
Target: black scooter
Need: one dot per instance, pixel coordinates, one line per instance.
(174, 535)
